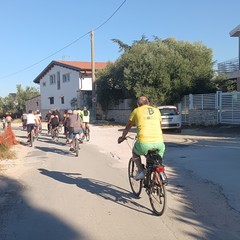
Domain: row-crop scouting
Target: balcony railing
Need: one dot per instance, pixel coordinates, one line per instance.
(229, 66)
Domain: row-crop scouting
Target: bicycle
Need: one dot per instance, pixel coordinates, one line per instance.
(36, 132)
(154, 182)
(60, 127)
(55, 134)
(31, 137)
(76, 147)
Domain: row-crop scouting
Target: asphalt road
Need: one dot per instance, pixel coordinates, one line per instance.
(48, 193)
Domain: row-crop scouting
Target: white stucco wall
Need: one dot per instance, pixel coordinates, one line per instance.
(86, 84)
(68, 90)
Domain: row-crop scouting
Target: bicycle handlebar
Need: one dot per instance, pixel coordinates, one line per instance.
(121, 139)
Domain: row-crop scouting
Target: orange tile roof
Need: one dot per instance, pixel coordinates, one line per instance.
(84, 65)
(74, 65)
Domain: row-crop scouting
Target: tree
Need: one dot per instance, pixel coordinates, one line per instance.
(163, 70)
(23, 95)
(1, 105)
(110, 87)
(223, 84)
(16, 104)
(8, 105)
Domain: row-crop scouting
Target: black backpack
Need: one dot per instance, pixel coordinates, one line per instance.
(85, 112)
(55, 120)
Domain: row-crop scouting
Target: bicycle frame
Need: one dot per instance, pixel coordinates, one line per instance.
(154, 164)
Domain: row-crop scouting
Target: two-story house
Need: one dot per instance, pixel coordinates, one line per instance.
(66, 85)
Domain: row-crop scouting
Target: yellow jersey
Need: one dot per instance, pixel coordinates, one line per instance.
(148, 121)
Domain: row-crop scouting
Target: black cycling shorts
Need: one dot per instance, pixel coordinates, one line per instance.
(30, 127)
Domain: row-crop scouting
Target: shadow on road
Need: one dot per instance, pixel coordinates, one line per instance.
(20, 220)
(105, 190)
(53, 150)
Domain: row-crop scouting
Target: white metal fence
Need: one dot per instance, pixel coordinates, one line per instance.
(227, 106)
(230, 108)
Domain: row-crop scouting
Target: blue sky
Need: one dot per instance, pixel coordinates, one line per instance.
(32, 30)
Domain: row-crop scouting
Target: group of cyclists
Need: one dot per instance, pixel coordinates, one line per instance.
(71, 120)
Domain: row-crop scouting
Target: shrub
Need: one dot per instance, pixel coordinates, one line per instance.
(5, 152)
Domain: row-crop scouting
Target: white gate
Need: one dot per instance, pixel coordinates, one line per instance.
(229, 108)
(227, 105)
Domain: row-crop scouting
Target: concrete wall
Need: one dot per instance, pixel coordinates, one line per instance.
(196, 117)
(120, 112)
(119, 116)
(203, 117)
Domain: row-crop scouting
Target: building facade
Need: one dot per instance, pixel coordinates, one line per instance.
(66, 85)
(33, 104)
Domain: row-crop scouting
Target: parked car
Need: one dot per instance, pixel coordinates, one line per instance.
(171, 118)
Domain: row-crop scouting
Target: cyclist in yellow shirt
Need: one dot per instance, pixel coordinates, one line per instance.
(149, 132)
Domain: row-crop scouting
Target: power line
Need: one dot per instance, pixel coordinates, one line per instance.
(110, 16)
(76, 40)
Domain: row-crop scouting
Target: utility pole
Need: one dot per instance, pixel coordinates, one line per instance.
(93, 78)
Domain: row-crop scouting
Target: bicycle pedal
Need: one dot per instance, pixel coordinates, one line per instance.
(165, 182)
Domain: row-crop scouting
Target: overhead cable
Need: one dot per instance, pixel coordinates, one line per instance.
(76, 40)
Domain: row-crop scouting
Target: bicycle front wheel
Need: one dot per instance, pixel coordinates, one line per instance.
(57, 135)
(157, 195)
(136, 185)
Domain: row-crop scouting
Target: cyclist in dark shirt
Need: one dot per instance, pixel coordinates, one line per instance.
(54, 121)
(47, 119)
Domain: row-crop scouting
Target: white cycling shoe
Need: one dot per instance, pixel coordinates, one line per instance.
(139, 176)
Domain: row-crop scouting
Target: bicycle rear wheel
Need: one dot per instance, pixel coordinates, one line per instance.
(136, 185)
(157, 194)
(36, 134)
(31, 138)
(57, 135)
(76, 146)
(87, 134)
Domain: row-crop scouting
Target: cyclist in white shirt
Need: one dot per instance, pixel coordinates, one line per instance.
(31, 122)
